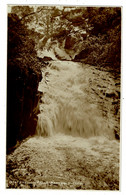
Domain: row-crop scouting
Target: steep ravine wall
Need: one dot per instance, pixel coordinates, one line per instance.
(23, 77)
(22, 103)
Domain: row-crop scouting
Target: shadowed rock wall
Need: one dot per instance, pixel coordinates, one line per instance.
(23, 77)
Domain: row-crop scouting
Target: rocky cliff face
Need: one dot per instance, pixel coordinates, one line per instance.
(23, 77)
(22, 101)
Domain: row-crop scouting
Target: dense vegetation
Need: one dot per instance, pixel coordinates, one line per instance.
(98, 30)
(104, 41)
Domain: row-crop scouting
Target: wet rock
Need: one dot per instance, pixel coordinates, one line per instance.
(72, 40)
(78, 187)
(118, 93)
(111, 93)
(83, 54)
(22, 100)
(46, 58)
(41, 60)
(115, 102)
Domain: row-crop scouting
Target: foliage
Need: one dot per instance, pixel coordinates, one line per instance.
(103, 32)
(104, 41)
(99, 27)
(23, 12)
(20, 45)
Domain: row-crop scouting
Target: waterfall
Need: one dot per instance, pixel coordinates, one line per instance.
(66, 107)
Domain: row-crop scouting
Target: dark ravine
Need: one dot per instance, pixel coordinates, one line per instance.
(22, 101)
(23, 77)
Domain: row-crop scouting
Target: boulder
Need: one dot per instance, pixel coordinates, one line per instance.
(70, 42)
(83, 54)
(46, 58)
(111, 94)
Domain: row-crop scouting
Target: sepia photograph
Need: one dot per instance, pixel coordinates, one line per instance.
(63, 97)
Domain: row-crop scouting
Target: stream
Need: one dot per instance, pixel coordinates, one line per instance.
(74, 146)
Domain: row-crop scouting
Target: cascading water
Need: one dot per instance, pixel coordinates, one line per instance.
(65, 106)
(73, 147)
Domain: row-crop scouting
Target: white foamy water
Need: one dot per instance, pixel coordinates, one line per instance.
(65, 106)
(71, 146)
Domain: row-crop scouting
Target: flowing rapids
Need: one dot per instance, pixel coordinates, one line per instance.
(73, 147)
(66, 106)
